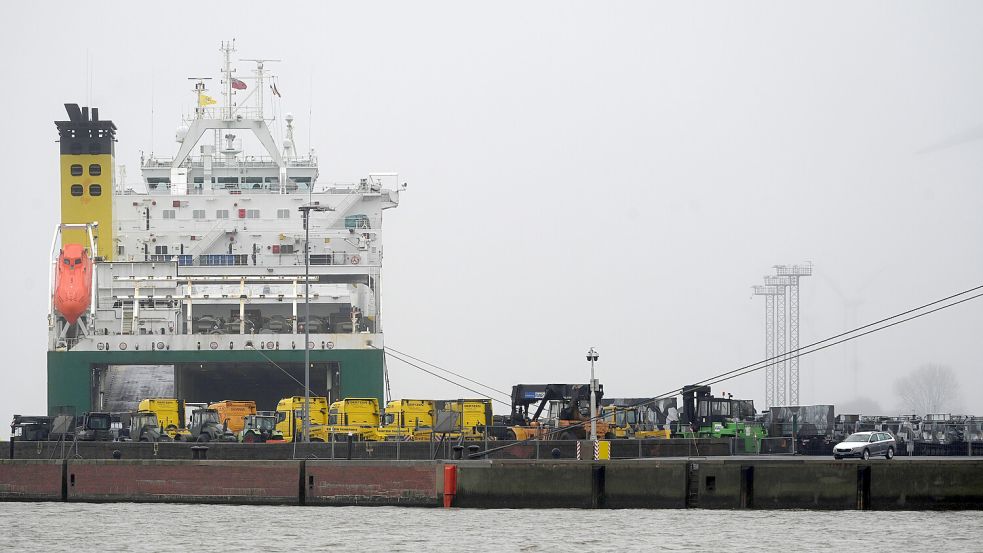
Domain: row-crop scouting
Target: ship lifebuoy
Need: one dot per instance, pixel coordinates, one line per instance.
(355, 260)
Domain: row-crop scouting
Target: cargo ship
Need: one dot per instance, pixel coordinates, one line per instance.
(194, 285)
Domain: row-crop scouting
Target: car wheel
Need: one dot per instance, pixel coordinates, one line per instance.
(866, 454)
(890, 453)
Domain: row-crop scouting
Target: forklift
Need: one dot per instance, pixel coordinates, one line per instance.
(705, 416)
(568, 412)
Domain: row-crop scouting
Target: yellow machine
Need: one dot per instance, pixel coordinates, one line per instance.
(356, 416)
(475, 415)
(406, 419)
(234, 413)
(625, 422)
(290, 417)
(170, 415)
(87, 148)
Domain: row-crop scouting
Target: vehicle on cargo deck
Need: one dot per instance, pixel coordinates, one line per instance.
(357, 416)
(567, 409)
(170, 416)
(260, 428)
(28, 428)
(866, 444)
(290, 417)
(206, 426)
(705, 416)
(95, 427)
(406, 419)
(233, 413)
(144, 427)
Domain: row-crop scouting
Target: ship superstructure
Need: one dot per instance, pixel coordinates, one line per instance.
(199, 278)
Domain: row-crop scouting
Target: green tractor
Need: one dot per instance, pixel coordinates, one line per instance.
(705, 416)
(260, 428)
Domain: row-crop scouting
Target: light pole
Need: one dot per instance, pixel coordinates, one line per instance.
(592, 356)
(306, 411)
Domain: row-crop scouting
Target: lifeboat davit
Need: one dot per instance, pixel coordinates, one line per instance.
(73, 282)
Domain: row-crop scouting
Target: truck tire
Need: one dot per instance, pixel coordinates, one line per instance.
(510, 435)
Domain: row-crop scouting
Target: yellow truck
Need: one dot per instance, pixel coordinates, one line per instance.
(405, 419)
(170, 415)
(473, 416)
(233, 413)
(357, 416)
(290, 417)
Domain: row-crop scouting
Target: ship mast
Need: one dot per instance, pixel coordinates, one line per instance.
(227, 48)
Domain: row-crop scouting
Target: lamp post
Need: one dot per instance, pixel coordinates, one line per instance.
(306, 411)
(592, 356)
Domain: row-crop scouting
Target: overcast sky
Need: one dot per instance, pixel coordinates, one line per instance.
(610, 174)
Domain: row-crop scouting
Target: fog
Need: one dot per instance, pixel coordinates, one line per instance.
(615, 175)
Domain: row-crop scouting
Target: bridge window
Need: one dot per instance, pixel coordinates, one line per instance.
(95, 190)
(160, 250)
(283, 214)
(168, 214)
(95, 169)
(93, 148)
(76, 170)
(76, 148)
(252, 214)
(221, 213)
(77, 190)
(198, 214)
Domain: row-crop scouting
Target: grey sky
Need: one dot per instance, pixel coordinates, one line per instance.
(607, 174)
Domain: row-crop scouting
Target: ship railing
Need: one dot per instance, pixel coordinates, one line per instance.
(217, 162)
(239, 260)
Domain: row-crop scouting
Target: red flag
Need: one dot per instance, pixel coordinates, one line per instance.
(238, 85)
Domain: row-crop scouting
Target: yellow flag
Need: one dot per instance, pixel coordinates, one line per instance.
(205, 100)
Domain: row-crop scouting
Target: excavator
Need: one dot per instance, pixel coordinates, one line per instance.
(568, 412)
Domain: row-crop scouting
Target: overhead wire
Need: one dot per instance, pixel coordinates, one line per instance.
(398, 358)
(506, 394)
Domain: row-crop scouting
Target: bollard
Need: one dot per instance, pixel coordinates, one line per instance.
(117, 454)
(199, 452)
(450, 484)
(473, 450)
(351, 445)
(457, 452)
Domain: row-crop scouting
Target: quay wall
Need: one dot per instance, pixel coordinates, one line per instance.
(709, 483)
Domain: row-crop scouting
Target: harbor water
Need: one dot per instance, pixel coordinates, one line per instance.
(57, 527)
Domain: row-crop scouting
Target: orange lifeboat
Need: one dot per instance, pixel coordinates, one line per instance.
(73, 282)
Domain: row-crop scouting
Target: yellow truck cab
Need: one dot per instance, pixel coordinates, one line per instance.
(406, 419)
(290, 417)
(474, 416)
(357, 416)
(170, 415)
(234, 413)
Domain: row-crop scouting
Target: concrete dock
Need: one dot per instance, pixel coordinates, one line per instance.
(712, 483)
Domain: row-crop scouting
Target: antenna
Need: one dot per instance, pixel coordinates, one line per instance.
(260, 74)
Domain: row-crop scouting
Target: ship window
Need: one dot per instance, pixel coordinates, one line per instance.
(119, 249)
(252, 214)
(287, 248)
(76, 170)
(77, 190)
(76, 148)
(95, 190)
(93, 148)
(222, 214)
(283, 214)
(67, 261)
(95, 169)
(251, 180)
(198, 214)
(160, 250)
(199, 180)
(168, 214)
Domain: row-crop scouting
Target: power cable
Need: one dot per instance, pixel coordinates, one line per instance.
(390, 348)
(398, 358)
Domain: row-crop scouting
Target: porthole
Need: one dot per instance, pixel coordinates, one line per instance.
(95, 190)
(77, 190)
(76, 170)
(95, 169)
